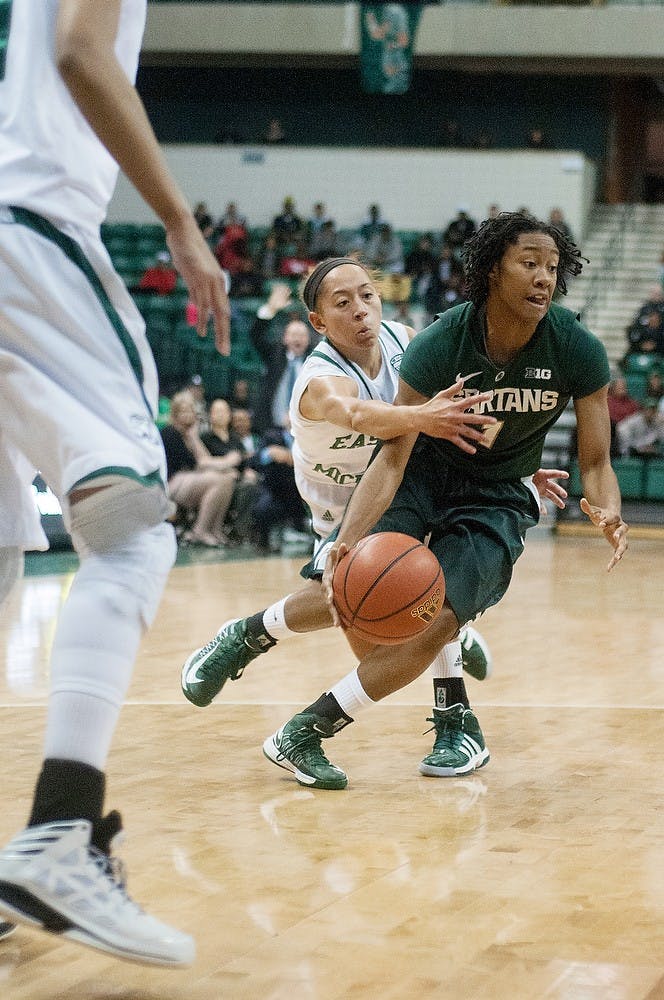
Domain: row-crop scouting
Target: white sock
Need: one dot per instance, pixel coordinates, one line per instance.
(92, 661)
(351, 695)
(274, 621)
(447, 662)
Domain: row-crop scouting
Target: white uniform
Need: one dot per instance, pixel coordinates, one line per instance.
(330, 460)
(79, 385)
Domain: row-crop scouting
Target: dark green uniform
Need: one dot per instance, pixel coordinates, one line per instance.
(477, 507)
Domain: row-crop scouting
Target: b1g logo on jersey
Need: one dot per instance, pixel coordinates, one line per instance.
(396, 361)
(543, 373)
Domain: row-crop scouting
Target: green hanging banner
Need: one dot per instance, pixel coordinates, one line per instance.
(388, 35)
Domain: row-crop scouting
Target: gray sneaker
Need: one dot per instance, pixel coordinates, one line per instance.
(459, 746)
(475, 654)
(52, 878)
(297, 748)
(223, 658)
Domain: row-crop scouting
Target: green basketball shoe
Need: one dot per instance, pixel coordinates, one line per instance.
(223, 658)
(297, 748)
(475, 654)
(459, 745)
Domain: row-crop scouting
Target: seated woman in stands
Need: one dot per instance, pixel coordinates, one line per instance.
(201, 484)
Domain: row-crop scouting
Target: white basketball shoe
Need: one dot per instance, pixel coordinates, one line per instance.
(51, 877)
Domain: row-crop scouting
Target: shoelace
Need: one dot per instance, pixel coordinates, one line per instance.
(114, 869)
(444, 729)
(307, 741)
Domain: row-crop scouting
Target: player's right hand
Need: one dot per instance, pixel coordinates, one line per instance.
(204, 278)
(338, 550)
(445, 416)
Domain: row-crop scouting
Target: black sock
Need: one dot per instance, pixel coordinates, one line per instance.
(448, 691)
(258, 638)
(329, 708)
(69, 789)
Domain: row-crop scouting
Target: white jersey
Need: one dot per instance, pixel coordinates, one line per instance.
(330, 460)
(50, 159)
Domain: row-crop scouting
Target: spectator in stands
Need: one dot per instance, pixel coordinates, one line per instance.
(621, 405)
(287, 226)
(460, 229)
(231, 217)
(240, 397)
(654, 302)
(196, 389)
(493, 211)
(371, 223)
(385, 250)
(232, 250)
(275, 132)
(242, 424)
(247, 283)
(279, 502)
(403, 314)
(268, 257)
(421, 259)
(198, 483)
(643, 432)
(325, 242)
(204, 219)
(557, 219)
(281, 358)
(319, 216)
(449, 266)
(537, 138)
(655, 387)
(224, 443)
(161, 277)
(646, 335)
(296, 260)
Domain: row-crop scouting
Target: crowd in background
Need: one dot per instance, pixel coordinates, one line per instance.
(230, 464)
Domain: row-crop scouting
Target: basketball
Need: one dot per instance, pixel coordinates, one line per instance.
(388, 588)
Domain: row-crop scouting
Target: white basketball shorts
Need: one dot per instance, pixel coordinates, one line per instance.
(78, 382)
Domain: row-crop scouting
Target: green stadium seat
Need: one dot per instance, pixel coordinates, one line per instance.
(644, 363)
(631, 474)
(654, 488)
(636, 384)
(573, 485)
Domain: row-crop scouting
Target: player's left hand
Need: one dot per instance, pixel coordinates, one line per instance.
(612, 526)
(333, 557)
(545, 483)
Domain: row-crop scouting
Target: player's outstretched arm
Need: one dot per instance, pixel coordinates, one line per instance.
(602, 502)
(85, 52)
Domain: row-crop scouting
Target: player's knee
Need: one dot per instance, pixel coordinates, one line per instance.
(11, 568)
(131, 577)
(107, 519)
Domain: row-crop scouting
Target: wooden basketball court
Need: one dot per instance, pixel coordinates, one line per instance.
(539, 876)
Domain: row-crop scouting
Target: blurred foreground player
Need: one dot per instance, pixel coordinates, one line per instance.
(78, 403)
(476, 503)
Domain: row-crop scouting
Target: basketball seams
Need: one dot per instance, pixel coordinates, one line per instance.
(355, 587)
(394, 562)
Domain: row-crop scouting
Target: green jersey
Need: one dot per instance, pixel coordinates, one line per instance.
(561, 361)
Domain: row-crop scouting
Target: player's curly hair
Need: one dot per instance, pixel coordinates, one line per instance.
(486, 247)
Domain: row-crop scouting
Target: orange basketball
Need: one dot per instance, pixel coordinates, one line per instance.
(388, 588)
